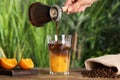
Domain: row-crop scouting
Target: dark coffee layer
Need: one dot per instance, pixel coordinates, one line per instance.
(59, 48)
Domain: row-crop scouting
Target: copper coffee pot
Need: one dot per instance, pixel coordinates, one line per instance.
(40, 14)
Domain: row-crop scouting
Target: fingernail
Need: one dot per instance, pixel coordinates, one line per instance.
(64, 9)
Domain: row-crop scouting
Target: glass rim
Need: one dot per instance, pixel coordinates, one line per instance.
(58, 36)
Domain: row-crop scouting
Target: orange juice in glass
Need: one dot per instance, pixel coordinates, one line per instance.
(59, 53)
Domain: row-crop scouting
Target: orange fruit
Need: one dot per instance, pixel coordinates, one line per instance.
(8, 63)
(26, 64)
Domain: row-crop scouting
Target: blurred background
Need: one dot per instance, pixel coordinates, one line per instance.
(96, 31)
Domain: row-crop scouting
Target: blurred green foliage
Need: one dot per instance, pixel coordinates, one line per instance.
(98, 31)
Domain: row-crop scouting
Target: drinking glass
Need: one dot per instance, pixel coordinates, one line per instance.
(59, 53)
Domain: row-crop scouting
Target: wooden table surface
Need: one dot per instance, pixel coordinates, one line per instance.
(75, 74)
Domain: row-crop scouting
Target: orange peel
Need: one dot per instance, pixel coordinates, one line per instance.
(26, 64)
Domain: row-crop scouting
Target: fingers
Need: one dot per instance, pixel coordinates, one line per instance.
(64, 9)
(68, 2)
(73, 6)
(79, 9)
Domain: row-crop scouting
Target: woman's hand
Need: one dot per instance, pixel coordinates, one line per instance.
(72, 6)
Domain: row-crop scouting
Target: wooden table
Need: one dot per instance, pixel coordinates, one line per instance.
(75, 74)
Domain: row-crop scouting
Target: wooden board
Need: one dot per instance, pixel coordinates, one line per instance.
(18, 72)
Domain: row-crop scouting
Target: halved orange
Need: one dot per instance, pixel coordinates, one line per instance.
(8, 63)
(26, 64)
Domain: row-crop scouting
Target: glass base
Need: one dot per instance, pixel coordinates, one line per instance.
(59, 73)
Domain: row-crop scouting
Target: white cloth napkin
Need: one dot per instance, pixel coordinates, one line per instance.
(106, 60)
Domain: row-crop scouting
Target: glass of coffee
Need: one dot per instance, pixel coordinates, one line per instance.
(59, 53)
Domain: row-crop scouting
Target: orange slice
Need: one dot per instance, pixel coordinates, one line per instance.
(8, 63)
(26, 64)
